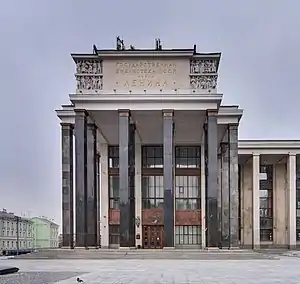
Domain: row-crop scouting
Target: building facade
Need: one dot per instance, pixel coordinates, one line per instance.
(45, 233)
(158, 163)
(15, 232)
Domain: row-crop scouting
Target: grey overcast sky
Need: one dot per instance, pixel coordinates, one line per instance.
(259, 41)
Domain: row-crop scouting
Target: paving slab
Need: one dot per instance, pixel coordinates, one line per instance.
(135, 271)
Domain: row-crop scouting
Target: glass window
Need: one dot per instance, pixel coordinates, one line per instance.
(298, 198)
(187, 193)
(114, 195)
(113, 157)
(187, 157)
(266, 203)
(152, 156)
(187, 235)
(152, 192)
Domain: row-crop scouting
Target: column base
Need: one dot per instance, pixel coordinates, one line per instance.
(168, 248)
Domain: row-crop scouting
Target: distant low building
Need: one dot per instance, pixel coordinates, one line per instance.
(15, 232)
(45, 233)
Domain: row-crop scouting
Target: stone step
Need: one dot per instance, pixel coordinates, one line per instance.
(144, 254)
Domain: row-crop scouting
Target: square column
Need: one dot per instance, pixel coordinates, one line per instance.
(168, 146)
(138, 191)
(91, 194)
(225, 215)
(104, 199)
(291, 191)
(234, 186)
(203, 198)
(67, 185)
(131, 181)
(126, 179)
(255, 200)
(212, 222)
(81, 176)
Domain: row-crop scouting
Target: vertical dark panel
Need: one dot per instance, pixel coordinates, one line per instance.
(81, 176)
(131, 158)
(91, 185)
(67, 185)
(168, 178)
(213, 238)
(98, 200)
(234, 184)
(225, 196)
(123, 178)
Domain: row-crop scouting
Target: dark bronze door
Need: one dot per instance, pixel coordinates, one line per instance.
(153, 237)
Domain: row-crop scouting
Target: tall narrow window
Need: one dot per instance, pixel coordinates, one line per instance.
(152, 192)
(266, 202)
(187, 196)
(113, 193)
(187, 193)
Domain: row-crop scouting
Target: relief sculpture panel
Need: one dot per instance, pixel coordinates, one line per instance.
(89, 75)
(203, 74)
(146, 74)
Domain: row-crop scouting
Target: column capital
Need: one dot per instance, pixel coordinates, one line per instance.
(168, 112)
(232, 126)
(124, 112)
(292, 154)
(212, 112)
(255, 154)
(82, 112)
(67, 124)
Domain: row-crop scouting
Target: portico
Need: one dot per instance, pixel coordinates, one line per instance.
(157, 160)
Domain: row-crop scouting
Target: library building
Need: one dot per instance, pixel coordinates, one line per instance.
(151, 158)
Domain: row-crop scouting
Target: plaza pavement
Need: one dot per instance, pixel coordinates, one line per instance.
(279, 268)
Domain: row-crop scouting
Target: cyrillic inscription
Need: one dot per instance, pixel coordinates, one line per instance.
(145, 74)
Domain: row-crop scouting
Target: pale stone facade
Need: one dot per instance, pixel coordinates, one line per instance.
(158, 162)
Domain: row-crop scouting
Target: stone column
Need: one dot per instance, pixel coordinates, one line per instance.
(125, 208)
(67, 185)
(255, 201)
(225, 196)
(98, 198)
(234, 186)
(104, 199)
(291, 177)
(138, 191)
(203, 189)
(81, 176)
(91, 206)
(131, 183)
(168, 178)
(212, 222)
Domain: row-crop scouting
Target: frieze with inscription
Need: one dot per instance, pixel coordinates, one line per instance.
(89, 82)
(145, 74)
(203, 81)
(203, 66)
(89, 67)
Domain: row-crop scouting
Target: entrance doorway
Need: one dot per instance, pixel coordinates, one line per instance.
(153, 237)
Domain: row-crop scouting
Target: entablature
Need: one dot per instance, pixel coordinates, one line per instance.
(269, 147)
